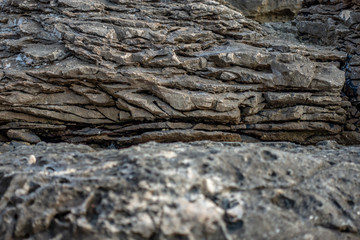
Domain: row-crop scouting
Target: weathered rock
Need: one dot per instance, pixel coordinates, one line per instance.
(337, 23)
(126, 72)
(268, 11)
(331, 22)
(122, 72)
(169, 191)
(23, 135)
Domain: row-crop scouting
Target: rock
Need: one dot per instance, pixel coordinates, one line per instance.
(268, 11)
(32, 159)
(23, 135)
(336, 23)
(126, 72)
(191, 190)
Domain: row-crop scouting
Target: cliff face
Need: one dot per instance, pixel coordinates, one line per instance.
(127, 72)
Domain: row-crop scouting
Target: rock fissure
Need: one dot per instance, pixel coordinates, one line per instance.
(350, 89)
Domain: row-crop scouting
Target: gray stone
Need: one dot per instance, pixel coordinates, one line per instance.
(268, 11)
(23, 135)
(198, 190)
(335, 23)
(76, 72)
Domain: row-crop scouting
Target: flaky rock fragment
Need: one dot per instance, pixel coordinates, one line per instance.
(23, 135)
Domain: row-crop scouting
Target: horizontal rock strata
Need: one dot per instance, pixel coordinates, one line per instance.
(123, 72)
(268, 11)
(201, 190)
(337, 23)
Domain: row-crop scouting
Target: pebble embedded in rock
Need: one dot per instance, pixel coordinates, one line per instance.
(31, 160)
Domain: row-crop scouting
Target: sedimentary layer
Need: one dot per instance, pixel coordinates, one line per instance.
(268, 11)
(337, 23)
(125, 72)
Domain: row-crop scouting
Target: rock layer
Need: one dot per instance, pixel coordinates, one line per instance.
(124, 72)
(268, 11)
(201, 190)
(337, 23)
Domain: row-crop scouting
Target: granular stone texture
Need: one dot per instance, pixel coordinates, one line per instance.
(199, 190)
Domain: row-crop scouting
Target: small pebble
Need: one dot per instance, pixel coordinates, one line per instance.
(208, 186)
(32, 160)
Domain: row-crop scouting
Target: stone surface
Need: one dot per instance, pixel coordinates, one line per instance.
(125, 72)
(113, 73)
(200, 190)
(23, 135)
(268, 11)
(337, 23)
(331, 22)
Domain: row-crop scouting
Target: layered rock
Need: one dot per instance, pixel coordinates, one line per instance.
(337, 23)
(124, 72)
(332, 23)
(201, 190)
(268, 11)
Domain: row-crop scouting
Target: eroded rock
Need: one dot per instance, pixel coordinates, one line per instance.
(23, 135)
(268, 11)
(166, 191)
(337, 23)
(124, 72)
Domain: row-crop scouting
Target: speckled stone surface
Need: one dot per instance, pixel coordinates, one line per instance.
(199, 190)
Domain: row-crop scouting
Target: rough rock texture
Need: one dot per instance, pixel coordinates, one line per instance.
(121, 72)
(265, 10)
(201, 190)
(337, 23)
(127, 72)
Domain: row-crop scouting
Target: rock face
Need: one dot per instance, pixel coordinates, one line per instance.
(337, 23)
(120, 72)
(268, 11)
(124, 72)
(201, 190)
